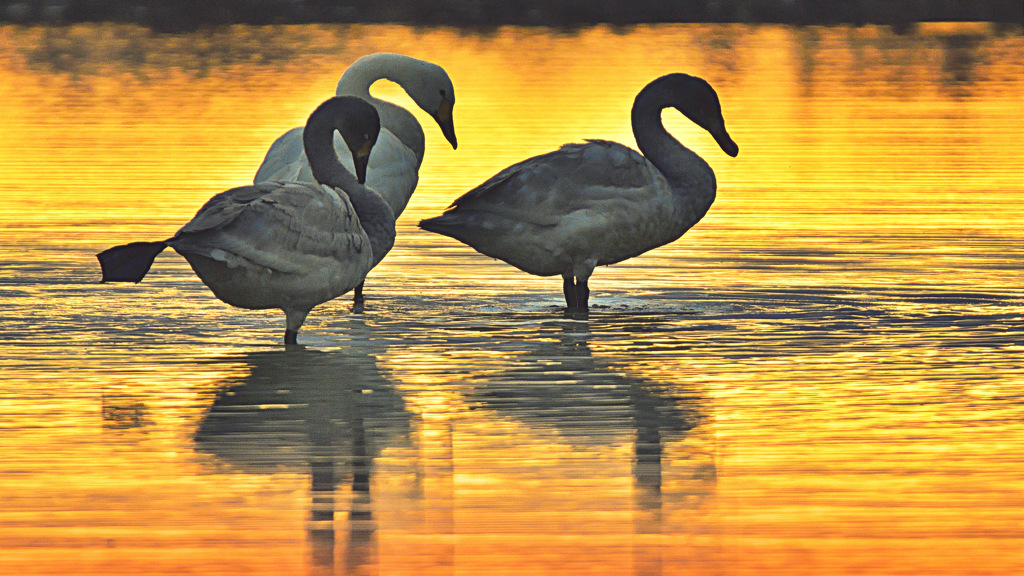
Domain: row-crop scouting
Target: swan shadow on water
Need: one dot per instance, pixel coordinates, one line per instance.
(328, 413)
(587, 402)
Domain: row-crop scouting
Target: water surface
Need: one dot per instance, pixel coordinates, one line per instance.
(822, 377)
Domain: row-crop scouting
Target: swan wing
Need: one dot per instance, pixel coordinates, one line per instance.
(391, 170)
(284, 227)
(584, 204)
(544, 189)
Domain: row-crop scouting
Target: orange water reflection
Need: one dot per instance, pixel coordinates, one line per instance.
(823, 377)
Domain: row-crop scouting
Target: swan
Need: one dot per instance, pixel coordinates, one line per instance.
(396, 158)
(597, 203)
(287, 245)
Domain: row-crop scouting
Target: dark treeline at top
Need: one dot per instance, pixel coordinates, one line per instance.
(183, 15)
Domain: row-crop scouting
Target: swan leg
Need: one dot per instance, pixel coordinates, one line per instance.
(582, 271)
(295, 318)
(569, 289)
(357, 295)
(582, 295)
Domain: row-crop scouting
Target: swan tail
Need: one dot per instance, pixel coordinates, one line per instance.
(440, 225)
(130, 262)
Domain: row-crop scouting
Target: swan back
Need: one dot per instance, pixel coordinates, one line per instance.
(597, 201)
(276, 245)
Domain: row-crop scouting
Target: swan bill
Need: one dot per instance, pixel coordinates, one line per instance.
(444, 120)
(726, 143)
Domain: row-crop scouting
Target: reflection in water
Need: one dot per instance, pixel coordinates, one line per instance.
(329, 413)
(824, 380)
(959, 57)
(332, 414)
(560, 385)
(79, 51)
(121, 412)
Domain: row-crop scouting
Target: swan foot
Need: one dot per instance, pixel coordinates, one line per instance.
(290, 337)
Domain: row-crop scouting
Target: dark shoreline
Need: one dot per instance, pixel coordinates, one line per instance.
(189, 15)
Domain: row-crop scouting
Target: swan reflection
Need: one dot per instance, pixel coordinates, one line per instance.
(588, 402)
(328, 413)
(333, 414)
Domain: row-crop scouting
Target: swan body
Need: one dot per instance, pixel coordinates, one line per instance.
(395, 160)
(287, 245)
(596, 203)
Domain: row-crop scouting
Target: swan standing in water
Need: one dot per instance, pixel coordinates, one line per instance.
(593, 204)
(395, 161)
(287, 245)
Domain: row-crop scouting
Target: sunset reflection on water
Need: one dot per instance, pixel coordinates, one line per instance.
(822, 377)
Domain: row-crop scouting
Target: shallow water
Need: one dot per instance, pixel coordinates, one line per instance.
(822, 377)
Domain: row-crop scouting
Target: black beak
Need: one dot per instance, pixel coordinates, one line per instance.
(360, 163)
(725, 142)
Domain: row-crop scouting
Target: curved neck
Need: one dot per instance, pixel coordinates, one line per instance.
(318, 142)
(401, 70)
(687, 172)
(375, 216)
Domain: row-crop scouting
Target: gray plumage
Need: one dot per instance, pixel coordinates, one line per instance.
(287, 245)
(597, 203)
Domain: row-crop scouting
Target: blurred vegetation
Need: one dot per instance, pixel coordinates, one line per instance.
(185, 15)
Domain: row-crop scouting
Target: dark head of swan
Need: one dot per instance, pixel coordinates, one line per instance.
(357, 122)
(694, 98)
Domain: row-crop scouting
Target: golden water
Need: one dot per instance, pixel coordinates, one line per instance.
(824, 376)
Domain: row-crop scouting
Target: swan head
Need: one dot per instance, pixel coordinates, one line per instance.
(355, 120)
(694, 98)
(432, 90)
(427, 84)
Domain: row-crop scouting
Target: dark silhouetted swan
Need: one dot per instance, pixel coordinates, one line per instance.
(395, 162)
(287, 245)
(598, 203)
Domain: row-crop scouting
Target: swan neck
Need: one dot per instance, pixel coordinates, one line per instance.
(375, 215)
(318, 142)
(376, 218)
(358, 78)
(684, 169)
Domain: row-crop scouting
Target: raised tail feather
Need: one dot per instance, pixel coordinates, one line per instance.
(130, 262)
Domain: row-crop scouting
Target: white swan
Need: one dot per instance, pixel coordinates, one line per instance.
(284, 245)
(588, 205)
(396, 158)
